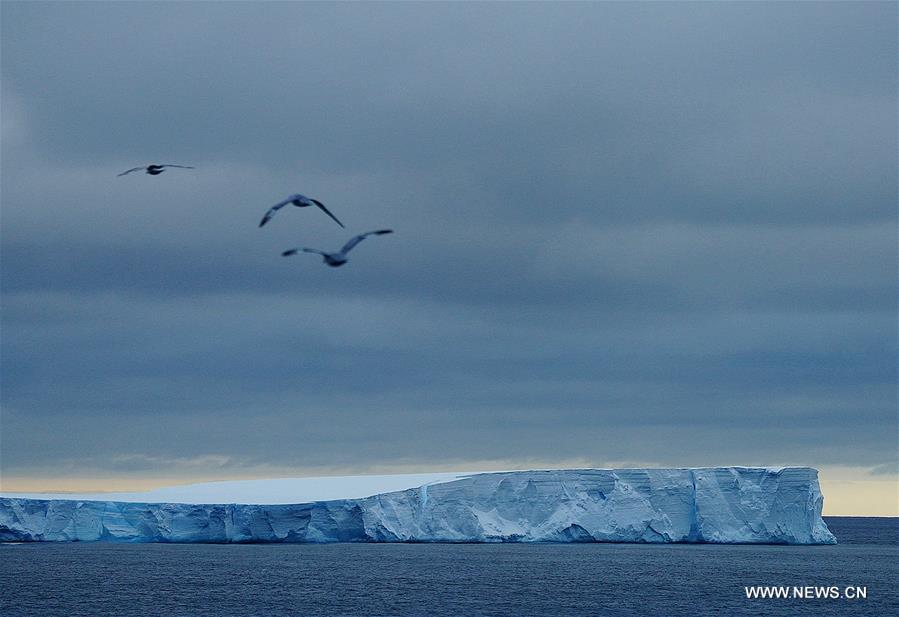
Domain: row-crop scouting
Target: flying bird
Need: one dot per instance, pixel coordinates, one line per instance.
(338, 259)
(154, 170)
(300, 201)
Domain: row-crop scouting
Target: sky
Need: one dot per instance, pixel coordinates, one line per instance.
(626, 234)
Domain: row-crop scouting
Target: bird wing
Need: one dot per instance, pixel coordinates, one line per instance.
(357, 239)
(271, 211)
(130, 170)
(290, 252)
(326, 211)
(181, 166)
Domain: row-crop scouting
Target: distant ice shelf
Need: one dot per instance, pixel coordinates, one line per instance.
(269, 491)
(716, 505)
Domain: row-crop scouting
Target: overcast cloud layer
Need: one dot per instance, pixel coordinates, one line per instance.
(657, 233)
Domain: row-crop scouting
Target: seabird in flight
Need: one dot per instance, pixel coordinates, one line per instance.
(154, 170)
(338, 259)
(300, 201)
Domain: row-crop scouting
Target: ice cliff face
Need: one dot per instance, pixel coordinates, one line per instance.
(722, 505)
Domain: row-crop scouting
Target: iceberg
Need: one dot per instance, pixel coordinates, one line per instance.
(745, 505)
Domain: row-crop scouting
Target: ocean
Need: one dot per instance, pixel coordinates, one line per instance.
(520, 580)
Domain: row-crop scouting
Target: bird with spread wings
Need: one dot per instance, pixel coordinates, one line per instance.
(300, 201)
(339, 258)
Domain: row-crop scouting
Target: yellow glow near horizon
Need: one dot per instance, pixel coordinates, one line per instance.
(850, 493)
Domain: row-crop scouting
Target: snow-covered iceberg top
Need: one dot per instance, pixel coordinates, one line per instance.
(722, 505)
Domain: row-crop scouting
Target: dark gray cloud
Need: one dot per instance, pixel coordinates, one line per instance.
(647, 232)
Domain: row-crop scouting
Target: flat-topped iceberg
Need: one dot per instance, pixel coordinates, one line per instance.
(720, 505)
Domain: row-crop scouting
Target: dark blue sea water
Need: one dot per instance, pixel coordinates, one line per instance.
(95, 579)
